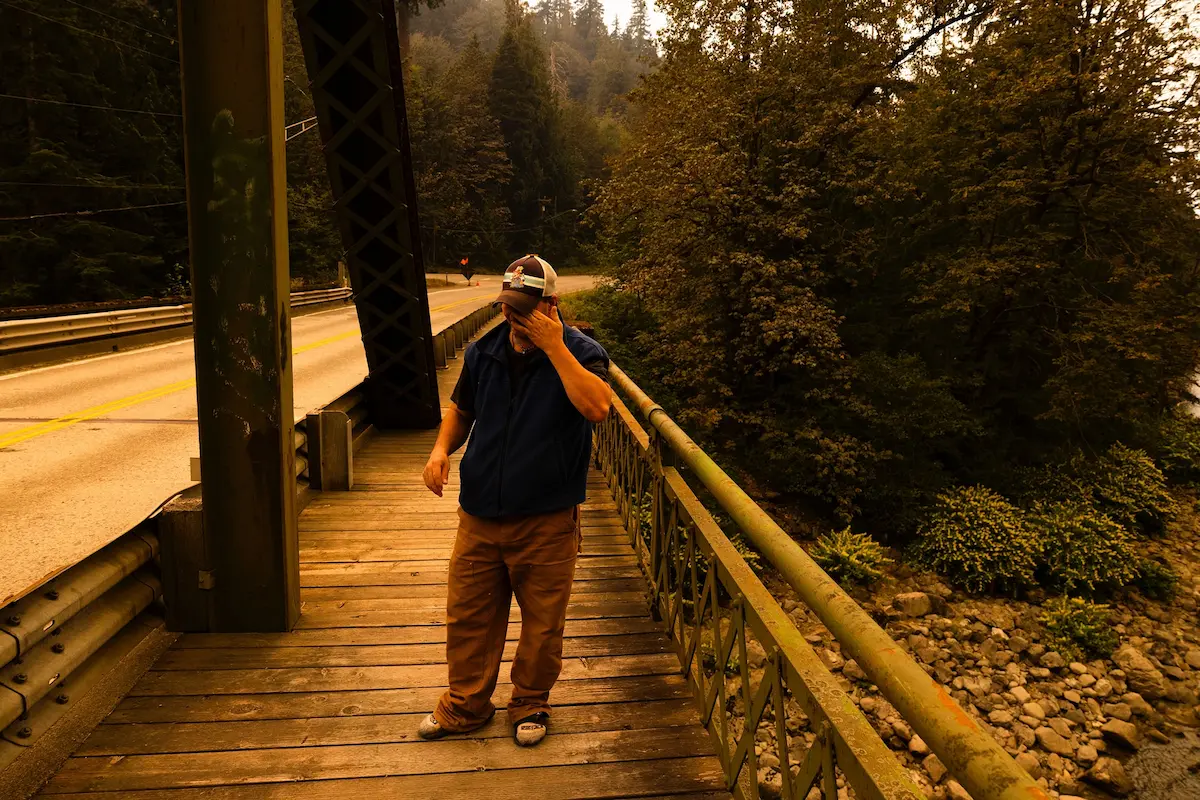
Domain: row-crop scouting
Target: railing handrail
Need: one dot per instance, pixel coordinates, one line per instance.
(983, 767)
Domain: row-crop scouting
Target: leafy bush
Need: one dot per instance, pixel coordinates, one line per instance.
(1130, 488)
(751, 556)
(978, 540)
(1179, 448)
(850, 557)
(1083, 550)
(1156, 580)
(1079, 628)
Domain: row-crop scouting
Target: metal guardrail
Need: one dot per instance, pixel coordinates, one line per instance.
(29, 334)
(46, 635)
(714, 605)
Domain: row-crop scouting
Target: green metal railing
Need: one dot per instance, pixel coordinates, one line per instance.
(719, 614)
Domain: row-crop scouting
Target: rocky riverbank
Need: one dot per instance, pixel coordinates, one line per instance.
(1073, 725)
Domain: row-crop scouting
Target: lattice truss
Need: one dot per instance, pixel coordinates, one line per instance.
(779, 721)
(352, 51)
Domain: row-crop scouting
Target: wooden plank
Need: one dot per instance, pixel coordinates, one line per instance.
(414, 700)
(193, 737)
(341, 679)
(418, 551)
(580, 609)
(417, 499)
(286, 764)
(351, 603)
(421, 634)
(416, 521)
(387, 655)
(425, 573)
(323, 587)
(592, 538)
(635, 779)
(333, 555)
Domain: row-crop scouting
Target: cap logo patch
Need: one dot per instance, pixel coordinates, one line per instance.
(518, 278)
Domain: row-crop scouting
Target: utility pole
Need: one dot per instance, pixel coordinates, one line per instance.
(231, 53)
(542, 201)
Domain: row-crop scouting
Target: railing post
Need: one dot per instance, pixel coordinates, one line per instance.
(439, 351)
(330, 451)
(232, 67)
(187, 568)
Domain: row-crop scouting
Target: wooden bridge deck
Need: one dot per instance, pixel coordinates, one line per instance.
(331, 709)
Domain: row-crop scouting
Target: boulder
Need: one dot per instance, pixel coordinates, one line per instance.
(1053, 742)
(1052, 660)
(917, 746)
(1061, 727)
(1124, 734)
(955, 791)
(936, 769)
(1000, 717)
(913, 604)
(1034, 710)
(1086, 755)
(1028, 761)
(1143, 677)
(1109, 775)
(1120, 711)
(1192, 657)
(853, 671)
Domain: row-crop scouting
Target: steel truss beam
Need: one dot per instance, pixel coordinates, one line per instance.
(352, 51)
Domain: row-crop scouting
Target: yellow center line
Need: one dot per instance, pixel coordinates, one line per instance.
(42, 428)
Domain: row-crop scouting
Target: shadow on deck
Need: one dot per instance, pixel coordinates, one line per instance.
(331, 709)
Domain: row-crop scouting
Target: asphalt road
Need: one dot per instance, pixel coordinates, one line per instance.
(90, 448)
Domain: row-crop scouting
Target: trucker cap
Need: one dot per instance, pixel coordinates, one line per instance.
(526, 282)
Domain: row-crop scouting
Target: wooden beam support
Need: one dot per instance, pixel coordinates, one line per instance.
(232, 64)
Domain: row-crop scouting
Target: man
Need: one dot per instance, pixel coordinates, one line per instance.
(528, 395)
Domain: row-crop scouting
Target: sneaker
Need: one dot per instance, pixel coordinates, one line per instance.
(532, 729)
(430, 728)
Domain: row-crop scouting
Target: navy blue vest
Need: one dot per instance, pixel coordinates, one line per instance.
(528, 454)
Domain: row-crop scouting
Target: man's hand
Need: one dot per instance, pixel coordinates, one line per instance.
(545, 332)
(437, 471)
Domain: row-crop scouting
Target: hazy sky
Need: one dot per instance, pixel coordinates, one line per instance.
(622, 8)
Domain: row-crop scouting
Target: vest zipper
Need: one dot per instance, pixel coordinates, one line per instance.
(503, 458)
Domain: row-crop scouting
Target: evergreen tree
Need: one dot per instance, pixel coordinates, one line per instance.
(912, 269)
(91, 183)
(458, 154)
(522, 100)
(589, 25)
(637, 33)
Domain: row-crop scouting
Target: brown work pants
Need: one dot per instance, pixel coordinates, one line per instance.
(534, 558)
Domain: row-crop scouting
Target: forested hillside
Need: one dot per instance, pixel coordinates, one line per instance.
(513, 113)
(926, 268)
(91, 178)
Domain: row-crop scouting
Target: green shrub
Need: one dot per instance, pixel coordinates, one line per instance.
(1084, 552)
(850, 557)
(978, 540)
(1078, 628)
(751, 556)
(1128, 486)
(1156, 580)
(1179, 448)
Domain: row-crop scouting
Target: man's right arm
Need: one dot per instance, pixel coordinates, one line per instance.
(456, 426)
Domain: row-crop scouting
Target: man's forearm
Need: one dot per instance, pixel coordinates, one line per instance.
(453, 431)
(590, 395)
